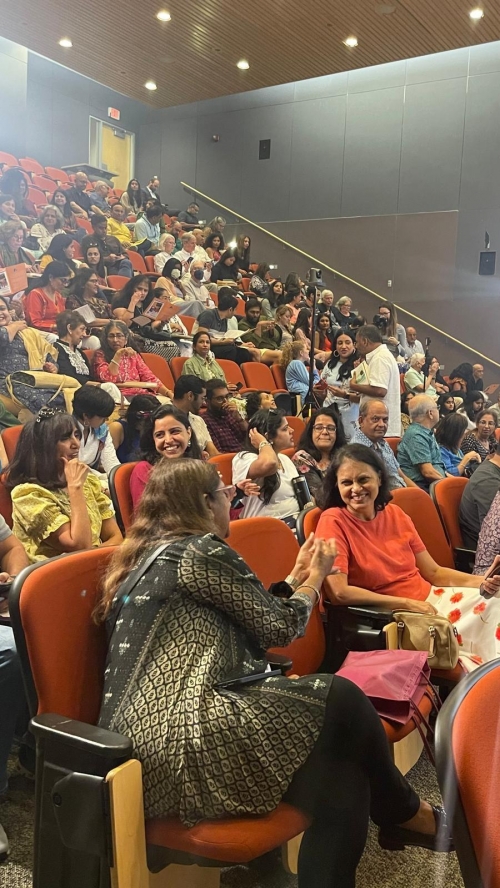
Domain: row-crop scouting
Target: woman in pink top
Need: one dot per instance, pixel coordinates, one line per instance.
(44, 302)
(118, 362)
(382, 560)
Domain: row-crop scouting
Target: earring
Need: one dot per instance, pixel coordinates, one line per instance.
(335, 354)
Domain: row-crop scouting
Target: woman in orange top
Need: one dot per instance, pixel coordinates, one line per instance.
(382, 560)
(44, 302)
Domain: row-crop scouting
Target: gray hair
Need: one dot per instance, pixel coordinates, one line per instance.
(417, 358)
(187, 236)
(342, 301)
(419, 406)
(365, 405)
(53, 209)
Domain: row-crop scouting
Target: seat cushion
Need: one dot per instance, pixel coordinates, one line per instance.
(395, 733)
(232, 840)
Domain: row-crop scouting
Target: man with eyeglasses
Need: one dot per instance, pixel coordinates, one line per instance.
(373, 422)
(227, 428)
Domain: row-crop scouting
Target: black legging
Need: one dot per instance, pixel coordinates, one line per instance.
(348, 778)
(232, 353)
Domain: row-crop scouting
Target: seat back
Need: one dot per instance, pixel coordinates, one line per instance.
(149, 262)
(117, 281)
(187, 321)
(84, 223)
(393, 444)
(31, 165)
(38, 196)
(258, 376)
(307, 522)
(224, 464)
(446, 495)
(62, 659)
(159, 367)
(176, 365)
(45, 183)
(58, 175)
(232, 372)
(297, 426)
(470, 792)
(418, 505)
(5, 502)
(254, 539)
(278, 376)
(137, 261)
(7, 159)
(119, 489)
(10, 437)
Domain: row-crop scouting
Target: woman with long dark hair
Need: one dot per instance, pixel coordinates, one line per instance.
(43, 301)
(482, 438)
(83, 290)
(471, 408)
(15, 182)
(337, 374)
(125, 433)
(130, 303)
(61, 201)
(450, 432)
(243, 244)
(61, 249)
(320, 440)
(167, 434)
(226, 269)
(214, 245)
(132, 198)
(446, 404)
(94, 259)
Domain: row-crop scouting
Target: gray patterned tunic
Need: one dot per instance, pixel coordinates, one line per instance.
(200, 616)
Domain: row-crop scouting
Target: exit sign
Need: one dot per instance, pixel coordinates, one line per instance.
(114, 113)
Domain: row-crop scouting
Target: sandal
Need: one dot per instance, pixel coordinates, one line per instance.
(396, 838)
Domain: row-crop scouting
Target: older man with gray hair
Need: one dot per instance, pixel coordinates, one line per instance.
(373, 421)
(419, 456)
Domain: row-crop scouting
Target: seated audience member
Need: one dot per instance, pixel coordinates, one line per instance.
(477, 376)
(325, 306)
(81, 199)
(8, 210)
(488, 544)
(342, 311)
(303, 325)
(84, 290)
(432, 367)
(116, 259)
(44, 302)
(15, 182)
(373, 421)
(99, 231)
(119, 362)
(382, 560)
(472, 406)
(50, 222)
(217, 225)
(174, 326)
(203, 363)
(189, 217)
(415, 381)
(99, 197)
(23, 348)
(217, 321)
(126, 432)
(147, 231)
(228, 632)
(177, 231)
(213, 246)
(283, 322)
(166, 434)
(194, 287)
(448, 404)
(323, 336)
(337, 375)
(406, 397)
(269, 304)
(187, 253)
(293, 300)
(263, 462)
(13, 560)
(226, 269)
(190, 396)
(419, 455)
(482, 439)
(243, 260)
(61, 249)
(259, 282)
(131, 198)
(92, 407)
(378, 375)
(294, 357)
(57, 506)
(170, 280)
(59, 199)
(71, 360)
(258, 401)
(450, 432)
(462, 378)
(225, 425)
(413, 345)
(129, 304)
(116, 226)
(320, 440)
(394, 333)
(477, 498)
(263, 334)
(12, 251)
(167, 247)
(152, 190)
(94, 259)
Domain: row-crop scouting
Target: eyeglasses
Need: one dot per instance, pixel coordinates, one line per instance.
(221, 398)
(229, 491)
(331, 429)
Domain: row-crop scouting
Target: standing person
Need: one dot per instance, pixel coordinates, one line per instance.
(320, 440)
(294, 357)
(50, 222)
(43, 302)
(132, 198)
(226, 427)
(337, 375)
(395, 334)
(419, 455)
(378, 375)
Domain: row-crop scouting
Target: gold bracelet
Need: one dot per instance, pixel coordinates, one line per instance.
(308, 586)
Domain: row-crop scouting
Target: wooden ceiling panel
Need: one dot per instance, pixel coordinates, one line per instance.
(193, 57)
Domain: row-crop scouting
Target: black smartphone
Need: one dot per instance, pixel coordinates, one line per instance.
(238, 386)
(5, 589)
(232, 684)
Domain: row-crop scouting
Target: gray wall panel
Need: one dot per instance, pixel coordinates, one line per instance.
(432, 146)
(480, 185)
(266, 183)
(178, 160)
(148, 150)
(469, 284)
(319, 87)
(484, 58)
(316, 175)
(218, 164)
(440, 66)
(377, 77)
(424, 257)
(13, 91)
(39, 130)
(372, 152)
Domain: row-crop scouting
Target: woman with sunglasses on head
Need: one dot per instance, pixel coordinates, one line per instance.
(315, 742)
(321, 438)
(57, 504)
(125, 433)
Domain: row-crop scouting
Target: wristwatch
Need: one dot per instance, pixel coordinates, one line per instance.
(292, 581)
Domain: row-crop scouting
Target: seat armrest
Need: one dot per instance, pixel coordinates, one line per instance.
(81, 737)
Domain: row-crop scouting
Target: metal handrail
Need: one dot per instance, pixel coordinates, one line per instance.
(335, 271)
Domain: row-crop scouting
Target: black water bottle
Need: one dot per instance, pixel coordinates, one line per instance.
(301, 491)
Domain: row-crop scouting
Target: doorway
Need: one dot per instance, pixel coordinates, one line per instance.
(112, 148)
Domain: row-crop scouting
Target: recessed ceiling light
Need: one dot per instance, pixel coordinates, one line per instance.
(351, 41)
(243, 65)
(150, 84)
(163, 15)
(476, 14)
(66, 42)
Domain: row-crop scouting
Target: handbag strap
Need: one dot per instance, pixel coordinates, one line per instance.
(126, 591)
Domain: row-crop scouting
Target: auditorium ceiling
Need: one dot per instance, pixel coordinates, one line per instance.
(194, 55)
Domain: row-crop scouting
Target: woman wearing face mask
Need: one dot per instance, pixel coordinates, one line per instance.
(166, 434)
(172, 283)
(130, 303)
(337, 374)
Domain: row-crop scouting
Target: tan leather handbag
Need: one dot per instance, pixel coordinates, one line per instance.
(34, 379)
(428, 632)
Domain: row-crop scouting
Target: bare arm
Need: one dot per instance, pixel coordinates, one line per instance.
(373, 391)
(340, 592)
(13, 558)
(76, 534)
(211, 448)
(444, 576)
(428, 471)
(408, 481)
(110, 533)
(267, 462)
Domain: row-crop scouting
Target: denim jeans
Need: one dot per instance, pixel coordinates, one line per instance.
(11, 698)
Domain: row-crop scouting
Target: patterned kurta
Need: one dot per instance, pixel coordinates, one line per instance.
(13, 356)
(200, 616)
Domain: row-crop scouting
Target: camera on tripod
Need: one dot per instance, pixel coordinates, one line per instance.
(381, 322)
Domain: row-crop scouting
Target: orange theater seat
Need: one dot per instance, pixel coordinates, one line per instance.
(58, 175)
(224, 464)
(418, 505)
(138, 264)
(45, 183)
(297, 426)
(160, 368)
(258, 376)
(446, 495)
(176, 365)
(31, 165)
(119, 488)
(10, 437)
(278, 376)
(393, 444)
(188, 323)
(84, 223)
(233, 374)
(38, 196)
(7, 159)
(117, 281)
(5, 501)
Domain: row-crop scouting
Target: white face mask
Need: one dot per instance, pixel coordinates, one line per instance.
(175, 274)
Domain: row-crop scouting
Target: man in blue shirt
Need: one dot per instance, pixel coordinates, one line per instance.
(373, 422)
(419, 455)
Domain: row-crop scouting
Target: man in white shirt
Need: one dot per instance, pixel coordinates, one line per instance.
(187, 254)
(413, 345)
(194, 283)
(383, 376)
(190, 396)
